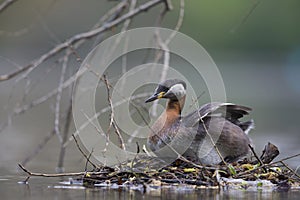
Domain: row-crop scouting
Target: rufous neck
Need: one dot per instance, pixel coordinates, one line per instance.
(175, 105)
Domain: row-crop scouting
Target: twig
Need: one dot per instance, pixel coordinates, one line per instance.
(87, 160)
(255, 155)
(137, 153)
(245, 18)
(112, 120)
(124, 56)
(291, 170)
(211, 139)
(179, 22)
(169, 5)
(165, 51)
(196, 165)
(124, 28)
(5, 4)
(28, 68)
(194, 101)
(61, 158)
(177, 27)
(111, 15)
(44, 98)
(58, 98)
(16, 33)
(106, 109)
(287, 158)
(266, 165)
(81, 151)
(56, 175)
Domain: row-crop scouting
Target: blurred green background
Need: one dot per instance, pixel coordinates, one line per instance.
(255, 44)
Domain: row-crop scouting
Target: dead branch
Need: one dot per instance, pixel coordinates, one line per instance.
(82, 152)
(112, 120)
(98, 131)
(169, 5)
(55, 175)
(62, 152)
(69, 42)
(5, 4)
(246, 17)
(255, 155)
(291, 170)
(125, 28)
(211, 140)
(179, 22)
(58, 98)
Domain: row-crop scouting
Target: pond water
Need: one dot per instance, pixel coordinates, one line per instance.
(53, 188)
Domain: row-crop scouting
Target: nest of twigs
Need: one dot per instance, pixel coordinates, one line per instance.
(260, 172)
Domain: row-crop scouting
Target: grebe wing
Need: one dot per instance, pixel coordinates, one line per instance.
(229, 111)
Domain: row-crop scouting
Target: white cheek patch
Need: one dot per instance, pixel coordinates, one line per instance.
(178, 90)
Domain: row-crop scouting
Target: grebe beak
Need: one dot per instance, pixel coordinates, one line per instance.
(155, 96)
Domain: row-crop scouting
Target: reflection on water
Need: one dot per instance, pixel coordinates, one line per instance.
(50, 188)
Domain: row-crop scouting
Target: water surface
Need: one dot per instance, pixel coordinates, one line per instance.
(52, 188)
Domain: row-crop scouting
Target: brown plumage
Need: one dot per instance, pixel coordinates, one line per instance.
(188, 134)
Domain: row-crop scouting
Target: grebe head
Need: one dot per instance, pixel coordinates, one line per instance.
(173, 89)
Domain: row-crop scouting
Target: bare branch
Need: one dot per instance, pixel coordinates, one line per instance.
(246, 17)
(211, 139)
(291, 170)
(255, 155)
(179, 22)
(82, 152)
(5, 4)
(169, 5)
(69, 42)
(55, 175)
(90, 121)
(16, 33)
(62, 152)
(112, 120)
(58, 98)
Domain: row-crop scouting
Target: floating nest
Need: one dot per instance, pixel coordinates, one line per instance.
(259, 173)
